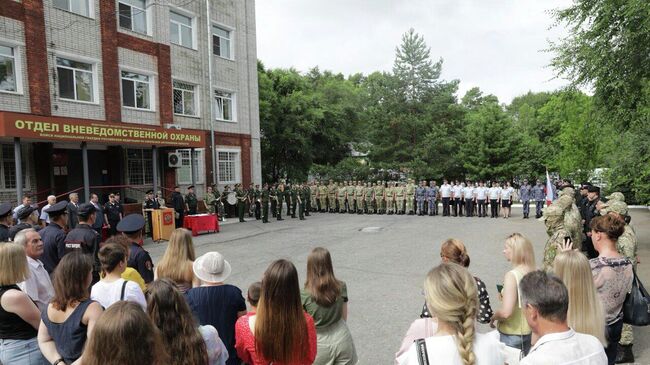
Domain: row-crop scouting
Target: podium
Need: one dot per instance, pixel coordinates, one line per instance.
(163, 223)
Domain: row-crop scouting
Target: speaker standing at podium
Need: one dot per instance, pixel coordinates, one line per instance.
(178, 203)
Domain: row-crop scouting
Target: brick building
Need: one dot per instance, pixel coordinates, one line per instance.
(116, 86)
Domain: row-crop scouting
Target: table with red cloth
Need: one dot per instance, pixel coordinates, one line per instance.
(201, 223)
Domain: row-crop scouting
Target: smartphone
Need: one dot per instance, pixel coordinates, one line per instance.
(499, 288)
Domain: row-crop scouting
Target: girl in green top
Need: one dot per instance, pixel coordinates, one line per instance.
(513, 328)
(326, 299)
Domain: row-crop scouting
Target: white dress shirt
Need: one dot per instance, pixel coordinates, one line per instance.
(458, 191)
(495, 193)
(506, 193)
(481, 193)
(468, 192)
(44, 216)
(38, 285)
(566, 348)
(445, 191)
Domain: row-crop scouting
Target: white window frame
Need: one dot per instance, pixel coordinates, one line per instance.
(192, 17)
(198, 165)
(152, 88)
(18, 66)
(233, 105)
(196, 91)
(90, 4)
(142, 161)
(147, 17)
(92, 63)
(26, 157)
(228, 29)
(237, 167)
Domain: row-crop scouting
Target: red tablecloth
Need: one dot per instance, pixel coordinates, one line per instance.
(201, 223)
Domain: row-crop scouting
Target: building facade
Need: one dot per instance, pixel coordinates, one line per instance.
(119, 87)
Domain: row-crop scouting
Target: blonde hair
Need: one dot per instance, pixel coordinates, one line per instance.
(13, 262)
(452, 297)
(585, 314)
(522, 250)
(176, 263)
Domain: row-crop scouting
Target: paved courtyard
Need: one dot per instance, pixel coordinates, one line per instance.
(384, 269)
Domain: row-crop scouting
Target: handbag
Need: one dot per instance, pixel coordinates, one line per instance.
(421, 348)
(636, 308)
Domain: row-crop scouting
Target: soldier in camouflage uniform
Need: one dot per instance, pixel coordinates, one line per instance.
(572, 218)
(400, 193)
(390, 198)
(349, 192)
(626, 246)
(340, 197)
(210, 200)
(359, 193)
(367, 199)
(420, 196)
(332, 191)
(409, 196)
(553, 217)
(380, 197)
(321, 197)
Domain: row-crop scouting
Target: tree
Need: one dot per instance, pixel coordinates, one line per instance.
(413, 68)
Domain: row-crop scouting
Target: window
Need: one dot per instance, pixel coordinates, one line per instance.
(184, 174)
(180, 29)
(81, 7)
(184, 98)
(139, 166)
(133, 15)
(75, 80)
(135, 90)
(221, 42)
(227, 167)
(8, 177)
(8, 74)
(224, 105)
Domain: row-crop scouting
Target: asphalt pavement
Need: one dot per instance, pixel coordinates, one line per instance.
(383, 259)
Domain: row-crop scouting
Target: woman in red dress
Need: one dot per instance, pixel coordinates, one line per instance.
(281, 332)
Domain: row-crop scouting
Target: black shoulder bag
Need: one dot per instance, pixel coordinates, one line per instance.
(421, 348)
(636, 309)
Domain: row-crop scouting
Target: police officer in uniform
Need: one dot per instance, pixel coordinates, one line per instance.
(84, 238)
(112, 214)
(191, 202)
(265, 197)
(538, 196)
(149, 203)
(431, 195)
(28, 218)
(139, 259)
(53, 236)
(420, 196)
(178, 203)
(5, 218)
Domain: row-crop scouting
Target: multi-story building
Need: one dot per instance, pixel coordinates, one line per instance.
(100, 93)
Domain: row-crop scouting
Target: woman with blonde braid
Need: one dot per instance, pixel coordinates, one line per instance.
(452, 300)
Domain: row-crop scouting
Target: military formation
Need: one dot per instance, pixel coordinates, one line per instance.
(381, 197)
(567, 221)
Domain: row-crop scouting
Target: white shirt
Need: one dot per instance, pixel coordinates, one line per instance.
(468, 192)
(458, 190)
(44, 216)
(443, 350)
(507, 192)
(445, 191)
(38, 285)
(566, 348)
(481, 193)
(108, 293)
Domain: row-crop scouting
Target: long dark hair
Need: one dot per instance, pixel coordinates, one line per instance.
(171, 314)
(321, 282)
(70, 280)
(124, 335)
(280, 328)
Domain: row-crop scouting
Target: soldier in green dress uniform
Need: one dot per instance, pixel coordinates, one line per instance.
(273, 196)
(241, 201)
(265, 196)
(309, 198)
(288, 190)
(191, 202)
(257, 195)
(295, 192)
(302, 196)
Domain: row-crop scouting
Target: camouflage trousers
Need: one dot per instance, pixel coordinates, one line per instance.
(400, 204)
(409, 203)
(627, 336)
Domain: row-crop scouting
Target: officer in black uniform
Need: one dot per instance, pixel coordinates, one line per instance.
(53, 236)
(150, 203)
(27, 219)
(139, 259)
(191, 201)
(84, 238)
(5, 219)
(112, 214)
(178, 203)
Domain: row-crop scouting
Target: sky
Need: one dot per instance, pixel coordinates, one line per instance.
(497, 45)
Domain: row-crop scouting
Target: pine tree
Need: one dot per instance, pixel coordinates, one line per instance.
(413, 67)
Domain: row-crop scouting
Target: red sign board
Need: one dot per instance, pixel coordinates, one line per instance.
(84, 130)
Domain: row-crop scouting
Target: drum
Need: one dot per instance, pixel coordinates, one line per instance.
(232, 198)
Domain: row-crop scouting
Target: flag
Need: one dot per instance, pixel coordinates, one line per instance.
(549, 189)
